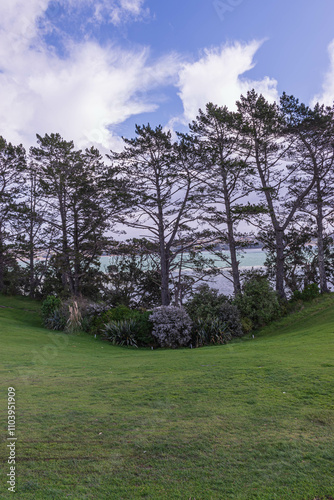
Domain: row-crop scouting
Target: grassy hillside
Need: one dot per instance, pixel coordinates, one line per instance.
(250, 420)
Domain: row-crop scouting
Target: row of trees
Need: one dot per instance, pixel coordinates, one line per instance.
(268, 165)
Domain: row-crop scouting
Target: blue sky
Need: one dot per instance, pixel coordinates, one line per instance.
(91, 69)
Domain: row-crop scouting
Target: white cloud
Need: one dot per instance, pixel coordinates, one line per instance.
(129, 8)
(327, 94)
(217, 77)
(81, 96)
(113, 11)
(86, 94)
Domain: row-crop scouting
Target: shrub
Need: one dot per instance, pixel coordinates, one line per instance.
(310, 292)
(206, 302)
(171, 326)
(247, 325)
(210, 331)
(94, 322)
(55, 321)
(71, 314)
(143, 328)
(103, 316)
(49, 306)
(229, 314)
(119, 313)
(258, 302)
(94, 316)
(215, 319)
(121, 332)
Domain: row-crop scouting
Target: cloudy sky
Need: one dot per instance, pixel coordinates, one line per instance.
(91, 69)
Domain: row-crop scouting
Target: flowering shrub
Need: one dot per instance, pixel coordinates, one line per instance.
(171, 326)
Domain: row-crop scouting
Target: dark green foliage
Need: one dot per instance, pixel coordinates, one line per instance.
(143, 328)
(13, 278)
(247, 325)
(52, 282)
(229, 314)
(310, 292)
(74, 184)
(215, 319)
(49, 306)
(205, 302)
(95, 320)
(119, 313)
(211, 330)
(258, 302)
(300, 258)
(121, 332)
(56, 320)
(93, 315)
(87, 324)
(12, 190)
(133, 276)
(97, 317)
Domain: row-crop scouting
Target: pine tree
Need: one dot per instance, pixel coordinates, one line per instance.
(12, 166)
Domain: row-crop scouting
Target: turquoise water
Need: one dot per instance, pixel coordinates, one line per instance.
(251, 257)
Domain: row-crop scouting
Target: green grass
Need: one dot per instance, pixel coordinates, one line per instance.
(250, 420)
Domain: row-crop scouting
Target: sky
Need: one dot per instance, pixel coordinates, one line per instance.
(91, 69)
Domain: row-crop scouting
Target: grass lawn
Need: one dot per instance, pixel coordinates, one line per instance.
(250, 420)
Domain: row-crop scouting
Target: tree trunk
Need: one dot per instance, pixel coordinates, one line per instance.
(234, 259)
(231, 240)
(320, 238)
(2, 264)
(76, 257)
(31, 255)
(279, 233)
(66, 266)
(31, 272)
(165, 295)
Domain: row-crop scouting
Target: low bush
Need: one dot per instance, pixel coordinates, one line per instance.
(71, 315)
(258, 302)
(205, 302)
(56, 320)
(215, 319)
(95, 316)
(121, 332)
(210, 331)
(49, 306)
(95, 324)
(310, 292)
(247, 325)
(229, 314)
(143, 328)
(171, 326)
